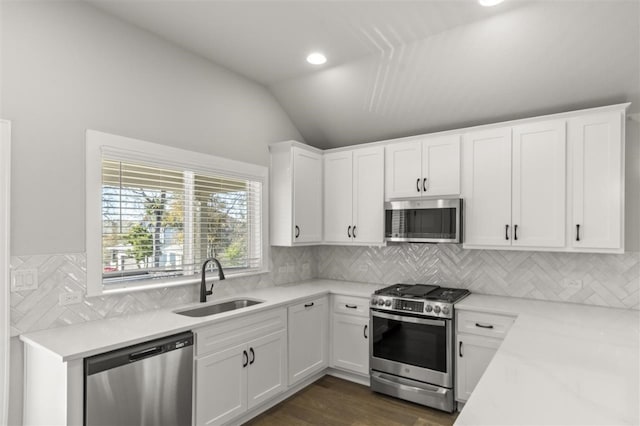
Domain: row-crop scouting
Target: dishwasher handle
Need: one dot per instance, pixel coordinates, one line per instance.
(131, 354)
(146, 352)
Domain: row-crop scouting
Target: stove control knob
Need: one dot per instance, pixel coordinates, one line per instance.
(436, 309)
(428, 308)
(445, 310)
(376, 301)
(387, 303)
(373, 301)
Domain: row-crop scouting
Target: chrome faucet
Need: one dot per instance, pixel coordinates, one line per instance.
(203, 284)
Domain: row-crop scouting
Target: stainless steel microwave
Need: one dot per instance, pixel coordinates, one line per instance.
(424, 221)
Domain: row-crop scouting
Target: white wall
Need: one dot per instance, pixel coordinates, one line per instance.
(67, 67)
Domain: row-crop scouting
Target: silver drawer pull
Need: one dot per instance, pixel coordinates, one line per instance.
(484, 325)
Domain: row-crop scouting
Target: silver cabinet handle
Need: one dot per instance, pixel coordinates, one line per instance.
(365, 331)
(460, 349)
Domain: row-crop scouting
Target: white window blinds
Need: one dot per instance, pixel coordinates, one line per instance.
(161, 222)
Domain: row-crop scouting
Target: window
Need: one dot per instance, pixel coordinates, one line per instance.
(153, 218)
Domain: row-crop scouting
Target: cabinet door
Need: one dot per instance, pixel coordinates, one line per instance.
(267, 368)
(539, 181)
(308, 339)
(221, 386)
(487, 187)
(307, 196)
(403, 174)
(441, 165)
(474, 353)
(368, 196)
(350, 343)
(338, 196)
(596, 160)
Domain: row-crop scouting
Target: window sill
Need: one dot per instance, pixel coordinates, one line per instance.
(154, 284)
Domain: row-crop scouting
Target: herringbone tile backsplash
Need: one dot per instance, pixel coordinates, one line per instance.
(606, 280)
(57, 274)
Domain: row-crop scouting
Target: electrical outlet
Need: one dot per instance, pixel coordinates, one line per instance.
(71, 298)
(291, 268)
(572, 284)
(306, 268)
(24, 279)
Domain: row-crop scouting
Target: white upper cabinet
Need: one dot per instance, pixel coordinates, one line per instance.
(487, 187)
(403, 169)
(596, 146)
(514, 186)
(441, 165)
(353, 196)
(338, 196)
(424, 167)
(296, 194)
(539, 180)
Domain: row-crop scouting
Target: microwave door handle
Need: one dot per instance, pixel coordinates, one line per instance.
(424, 321)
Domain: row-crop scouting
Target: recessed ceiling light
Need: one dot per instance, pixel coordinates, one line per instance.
(489, 3)
(316, 58)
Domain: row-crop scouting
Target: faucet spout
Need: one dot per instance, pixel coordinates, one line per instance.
(203, 283)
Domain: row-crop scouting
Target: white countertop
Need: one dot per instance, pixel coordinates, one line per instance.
(560, 364)
(91, 338)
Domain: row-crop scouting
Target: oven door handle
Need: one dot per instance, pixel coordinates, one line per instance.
(438, 323)
(432, 389)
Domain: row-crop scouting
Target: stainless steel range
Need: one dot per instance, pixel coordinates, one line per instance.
(412, 350)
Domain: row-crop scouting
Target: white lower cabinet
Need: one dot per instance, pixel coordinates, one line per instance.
(266, 373)
(350, 334)
(473, 357)
(350, 343)
(478, 337)
(234, 378)
(308, 327)
(221, 386)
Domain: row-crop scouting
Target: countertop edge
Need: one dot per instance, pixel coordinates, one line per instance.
(307, 289)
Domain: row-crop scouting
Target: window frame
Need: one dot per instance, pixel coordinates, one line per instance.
(99, 144)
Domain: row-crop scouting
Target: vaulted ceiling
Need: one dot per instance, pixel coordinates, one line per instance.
(398, 68)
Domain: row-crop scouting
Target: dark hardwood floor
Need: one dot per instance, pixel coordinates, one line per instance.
(333, 401)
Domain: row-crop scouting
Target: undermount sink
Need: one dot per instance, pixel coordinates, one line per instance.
(218, 308)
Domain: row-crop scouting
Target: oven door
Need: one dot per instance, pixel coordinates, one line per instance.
(413, 347)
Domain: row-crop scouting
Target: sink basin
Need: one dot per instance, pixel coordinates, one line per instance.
(218, 308)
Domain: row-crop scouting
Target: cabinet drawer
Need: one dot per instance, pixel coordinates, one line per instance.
(238, 330)
(351, 305)
(483, 324)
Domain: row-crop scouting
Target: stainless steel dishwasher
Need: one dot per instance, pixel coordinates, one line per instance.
(145, 384)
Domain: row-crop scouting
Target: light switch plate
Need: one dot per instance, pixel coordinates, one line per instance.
(573, 284)
(70, 298)
(24, 279)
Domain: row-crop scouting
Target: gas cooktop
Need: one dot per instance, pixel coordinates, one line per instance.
(421, 299)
